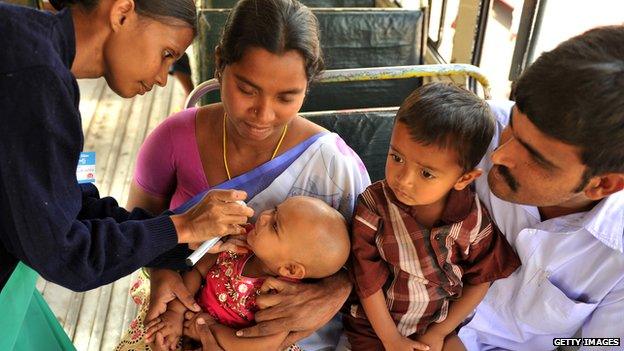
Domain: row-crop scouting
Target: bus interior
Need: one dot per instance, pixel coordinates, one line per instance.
(376, 52)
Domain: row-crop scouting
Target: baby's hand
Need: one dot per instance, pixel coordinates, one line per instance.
(169, 329)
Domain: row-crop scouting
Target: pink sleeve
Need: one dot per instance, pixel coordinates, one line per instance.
(155, 166)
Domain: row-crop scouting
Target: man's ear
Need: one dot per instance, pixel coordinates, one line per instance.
(467, 178)
(120, 12)
(604, 185)
(293, 270)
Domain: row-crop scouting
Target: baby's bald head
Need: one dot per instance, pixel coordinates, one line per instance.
(317, 235)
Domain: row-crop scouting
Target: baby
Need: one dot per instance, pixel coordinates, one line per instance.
(301, 238)
(424, 248)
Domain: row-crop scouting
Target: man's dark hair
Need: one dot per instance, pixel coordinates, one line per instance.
(575, 93)
(449, 117)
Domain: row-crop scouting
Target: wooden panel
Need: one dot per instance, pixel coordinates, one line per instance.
(119, 307)
(91, 91)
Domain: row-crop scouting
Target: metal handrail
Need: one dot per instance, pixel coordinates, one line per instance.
(374, 73)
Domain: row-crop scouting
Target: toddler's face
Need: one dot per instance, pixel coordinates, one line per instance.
(420, 174)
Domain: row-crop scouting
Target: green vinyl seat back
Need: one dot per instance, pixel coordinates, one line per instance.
(350, 38)
(210, 25)
(354, 38)
(228, 4)
(366, 131)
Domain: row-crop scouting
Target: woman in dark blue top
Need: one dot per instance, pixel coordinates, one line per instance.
(62, 229)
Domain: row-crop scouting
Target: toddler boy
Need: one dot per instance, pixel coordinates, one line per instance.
(424, 249)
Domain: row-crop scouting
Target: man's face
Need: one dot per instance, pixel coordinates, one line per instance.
(533, 168)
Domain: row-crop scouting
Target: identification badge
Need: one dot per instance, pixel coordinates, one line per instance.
(85, 173)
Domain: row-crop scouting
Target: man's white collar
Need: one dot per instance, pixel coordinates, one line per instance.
(606, 221)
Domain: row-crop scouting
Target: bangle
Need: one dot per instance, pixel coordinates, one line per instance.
(145, 271)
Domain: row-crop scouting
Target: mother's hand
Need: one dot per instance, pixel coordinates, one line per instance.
(216, 215)
(167, 285)
(297, 308)
(197, 327)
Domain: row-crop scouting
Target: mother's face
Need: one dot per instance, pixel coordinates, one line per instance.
(263, 91)
(140, 51)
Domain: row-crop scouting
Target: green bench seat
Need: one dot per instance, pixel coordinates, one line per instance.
(366, 131)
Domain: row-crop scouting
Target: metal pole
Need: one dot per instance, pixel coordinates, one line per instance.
(373, 73)
(482, 21)
(537, 27)
(525, 30)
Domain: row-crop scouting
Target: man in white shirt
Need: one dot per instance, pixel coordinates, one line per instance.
(556, 171)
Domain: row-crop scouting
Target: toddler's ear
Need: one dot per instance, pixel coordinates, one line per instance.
(467, 178)
(292, 270)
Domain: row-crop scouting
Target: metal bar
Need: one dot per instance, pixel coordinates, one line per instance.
(537, 27)
(441, 24)
(525, 28)
(437, 57)
(424, 30)
(482, 21)
(201, 90)
(375, 73)
(436, 43)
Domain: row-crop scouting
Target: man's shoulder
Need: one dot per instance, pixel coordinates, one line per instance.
(501, 109)
(606, 221)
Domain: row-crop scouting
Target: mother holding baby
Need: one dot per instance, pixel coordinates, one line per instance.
(254, 140)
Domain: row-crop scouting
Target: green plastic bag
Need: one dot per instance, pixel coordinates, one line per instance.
(26, 321)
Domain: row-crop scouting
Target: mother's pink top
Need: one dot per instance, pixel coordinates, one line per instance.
(168, 164)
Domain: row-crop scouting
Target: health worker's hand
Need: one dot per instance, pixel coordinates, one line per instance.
(216, 215)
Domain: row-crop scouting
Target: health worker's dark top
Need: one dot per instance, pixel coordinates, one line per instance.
(61, 229)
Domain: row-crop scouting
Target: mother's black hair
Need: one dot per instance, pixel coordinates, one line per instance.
(160, 10)
(277, 26)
